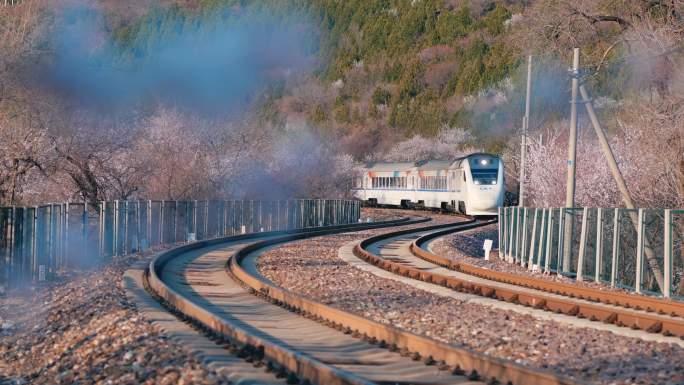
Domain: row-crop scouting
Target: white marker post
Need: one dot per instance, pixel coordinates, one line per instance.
(487, 247)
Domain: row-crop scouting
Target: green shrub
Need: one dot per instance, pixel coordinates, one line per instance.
(343, 114)
(393, 72)
(318, 116)
(381, 96)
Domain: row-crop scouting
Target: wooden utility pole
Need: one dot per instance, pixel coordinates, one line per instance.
(525, 128)
(572, 154)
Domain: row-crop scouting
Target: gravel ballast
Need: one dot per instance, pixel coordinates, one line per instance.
(83, 330)
(312, 268)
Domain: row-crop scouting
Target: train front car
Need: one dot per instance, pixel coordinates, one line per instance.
(484, 187)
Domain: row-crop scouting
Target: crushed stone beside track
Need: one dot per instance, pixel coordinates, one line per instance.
(83, 330)
(312, 268)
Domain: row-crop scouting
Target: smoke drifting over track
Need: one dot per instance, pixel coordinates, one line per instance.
(209, 64)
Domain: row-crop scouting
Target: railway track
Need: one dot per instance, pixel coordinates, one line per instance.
(415, 261)
(215, 285)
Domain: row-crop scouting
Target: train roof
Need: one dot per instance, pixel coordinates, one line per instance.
(434, 165)
(390, 166)
(422, 165)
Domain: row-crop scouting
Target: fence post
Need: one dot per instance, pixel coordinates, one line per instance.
(530, 255)
(234, 220)
(149, 224)
(137, 226)
(300, 213)
(511, 234)
(7, 252)
(518, 233)
(225, 218)
(175, 222)
(12, 244)
(252, 219)
(55, 226)
(187, 221)
(511, 238)
(65, 235)
(101, 221)
(317, 212)
(270, 214)
(500, 225)
(287, 214)
(616, 247)
(542, 239)
(206, 219)
(193, 222)
(50, 262)
(62, 239)
(162, 205)
(667, 253)
(127, 241)
(18, 252)
(582, 245)
(260, 225)
(599, 245)
(549, 241)
(84, 223)
(33, 239)
(515, 233)
(640, 251)
(14, 251)
(28, 238)
(523, 246)
(561, 236)
(115, 230)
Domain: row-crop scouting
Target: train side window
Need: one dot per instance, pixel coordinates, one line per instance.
(464, 178)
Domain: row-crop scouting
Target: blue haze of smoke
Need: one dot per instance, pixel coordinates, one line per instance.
(206, 63)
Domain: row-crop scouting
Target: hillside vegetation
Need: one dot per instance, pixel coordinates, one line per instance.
(384, 68)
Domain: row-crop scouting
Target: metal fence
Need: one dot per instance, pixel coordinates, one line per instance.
(36, 242)
(640, 250)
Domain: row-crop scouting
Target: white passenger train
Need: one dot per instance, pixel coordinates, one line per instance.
(470, 185)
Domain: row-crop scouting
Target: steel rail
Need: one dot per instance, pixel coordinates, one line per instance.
(638, 302)
(612, 314)
(479, 365)
(296, 362)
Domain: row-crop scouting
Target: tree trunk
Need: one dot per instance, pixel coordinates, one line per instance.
(13, 183)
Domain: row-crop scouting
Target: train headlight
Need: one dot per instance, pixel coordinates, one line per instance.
(484, 162)
(476, 181)
(493, 182)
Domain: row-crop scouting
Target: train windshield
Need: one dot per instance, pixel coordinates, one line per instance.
(484, 169)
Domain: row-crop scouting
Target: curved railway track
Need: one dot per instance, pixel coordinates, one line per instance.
(215, 284)
(636, 312)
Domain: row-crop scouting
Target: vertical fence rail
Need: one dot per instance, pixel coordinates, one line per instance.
(667, 253)
(674, 254)
(38, 242)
